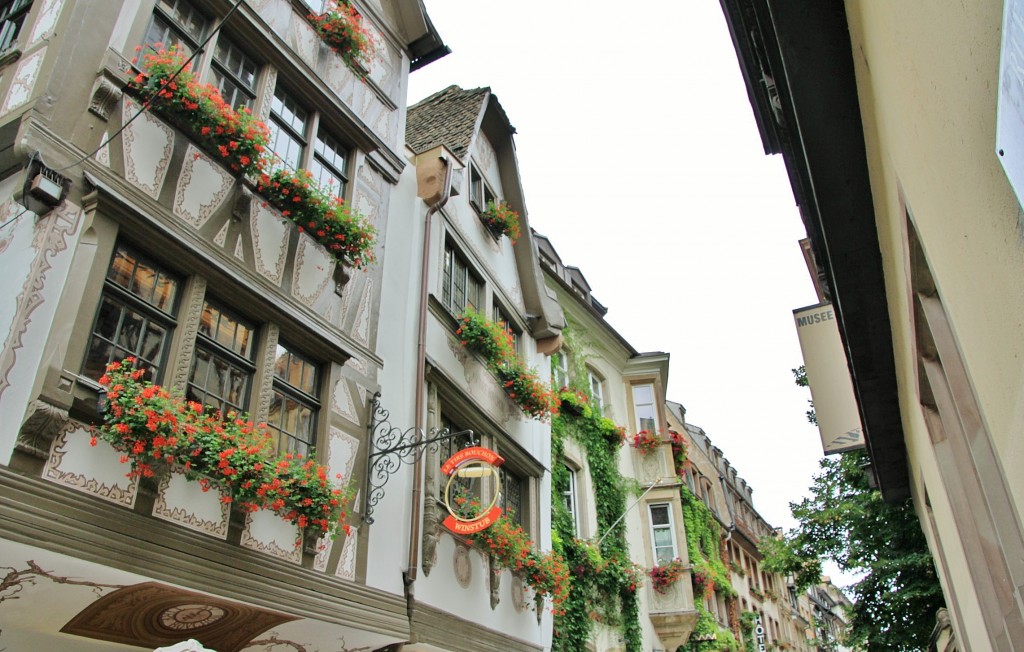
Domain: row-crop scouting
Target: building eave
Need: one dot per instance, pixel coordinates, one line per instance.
(811, 115)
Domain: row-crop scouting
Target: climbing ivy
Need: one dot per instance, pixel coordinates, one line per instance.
(703, 541)
(747, 619)
(703, 544)
(605, 581)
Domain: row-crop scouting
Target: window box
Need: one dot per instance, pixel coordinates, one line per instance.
(347, 236)
(510, 547)
(501, 220)
(645, 442)
(663, 577)
(235, 138)
(341, 27)
(154, 428)
(493, 342)
(573, 402)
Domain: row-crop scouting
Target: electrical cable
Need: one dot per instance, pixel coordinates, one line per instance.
(23, 211)
(166, 83)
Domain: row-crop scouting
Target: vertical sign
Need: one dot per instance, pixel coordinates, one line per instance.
(1010, 104)
(759, 634)
(828, 377)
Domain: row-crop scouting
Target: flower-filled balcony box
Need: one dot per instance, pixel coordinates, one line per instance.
(342, 28)
(155, 429)
(501, 220)
(347, 235)
(494, 344)
(239, 141)
(645, 442)
(168, 86)
(510, 547)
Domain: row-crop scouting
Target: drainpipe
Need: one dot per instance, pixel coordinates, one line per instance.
(409, 576)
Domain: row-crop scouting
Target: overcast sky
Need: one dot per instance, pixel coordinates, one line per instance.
(641, 160)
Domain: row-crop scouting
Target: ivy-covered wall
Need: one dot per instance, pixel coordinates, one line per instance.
(604, 579)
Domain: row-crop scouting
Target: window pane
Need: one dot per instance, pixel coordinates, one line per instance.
(446, 281)
(294, 407)
(662, 538)
(97, 358)
(218, 383)
(121, 268)
(329, 163)
(108, 319)
(234, 74)
(143, 279)
(659, 515)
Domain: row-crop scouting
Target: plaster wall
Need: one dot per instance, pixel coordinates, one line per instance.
(928, 80)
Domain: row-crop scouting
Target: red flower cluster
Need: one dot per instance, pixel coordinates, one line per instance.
(511, 548)
(153, 427)
(573, 402)
(663, 577)
(489, 339)
(678, 453)
(645, 442)
(494, 343)
(502, 220)
(347, 235)
(342, 28)
(233, 136)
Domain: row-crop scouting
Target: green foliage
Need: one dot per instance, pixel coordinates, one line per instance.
(707, 636)
(846, 521)
(703, 543)
(747, 619)
(605, 582)
(800, 378)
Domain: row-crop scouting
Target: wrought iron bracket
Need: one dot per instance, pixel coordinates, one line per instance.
(390, 447)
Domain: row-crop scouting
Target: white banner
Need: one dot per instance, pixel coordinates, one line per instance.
(828, 376)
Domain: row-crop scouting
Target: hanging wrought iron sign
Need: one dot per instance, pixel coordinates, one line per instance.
(466, 468)
(390, 447)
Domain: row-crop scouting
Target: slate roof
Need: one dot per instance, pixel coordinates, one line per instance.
(446, 118)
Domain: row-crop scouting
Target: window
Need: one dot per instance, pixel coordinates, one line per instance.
(560, 368)
(12, 18)
(663, 536)
(570, 498)
(289, 122)
(292, 127)
(460, 288)
(479, 192)
(596, 390)
(135, 317)
(223, 367)
(175, 22)
(294, 405)
(449, 447)
(513, 490)
(500, 317)
(645, 408)
(234, 74)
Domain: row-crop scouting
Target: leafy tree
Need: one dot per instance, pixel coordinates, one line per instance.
(846, 521)
(800, 378)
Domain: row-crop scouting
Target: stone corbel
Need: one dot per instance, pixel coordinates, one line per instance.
(45, 421)
(342, 276)
(495, 578)
(106, 90)
(242, 206)
(104, 97)
(431, 529)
